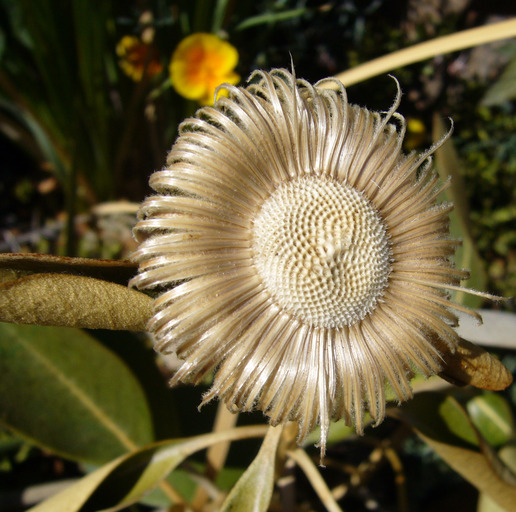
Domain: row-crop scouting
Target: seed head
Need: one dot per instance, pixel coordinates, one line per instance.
(299, 253)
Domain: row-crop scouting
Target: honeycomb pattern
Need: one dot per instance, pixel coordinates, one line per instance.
(322, 251)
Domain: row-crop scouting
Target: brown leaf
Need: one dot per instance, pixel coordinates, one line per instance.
(110, 270)
(472, 365)
(73, 301)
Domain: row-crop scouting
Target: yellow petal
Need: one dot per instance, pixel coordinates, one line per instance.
(200, 63)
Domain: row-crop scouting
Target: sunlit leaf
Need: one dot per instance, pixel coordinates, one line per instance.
(428, 49)
(73, 301)
(337, 432)
(497, 329)
(492, 416)
(62, 390)
(471, 365)
(253, 491)
(487, 504)
(445, 426)
(124, 480)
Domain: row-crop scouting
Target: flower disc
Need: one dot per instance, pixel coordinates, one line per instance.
(298, 253)
(322, 251)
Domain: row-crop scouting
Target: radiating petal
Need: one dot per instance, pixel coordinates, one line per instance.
(299, 254)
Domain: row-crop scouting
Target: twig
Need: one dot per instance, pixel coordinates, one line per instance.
(312, 473)
(216, 454)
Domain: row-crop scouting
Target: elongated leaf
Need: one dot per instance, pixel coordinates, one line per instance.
(218, 15)
(445, 426)
(492, 416)
(253, 491)
(504, 89)
(423, 51)
(45, 144)
(124, 480)
(64, 391)
(485, 503)
(271, 17)
(115, 271)
(497, 329)
(73, 301)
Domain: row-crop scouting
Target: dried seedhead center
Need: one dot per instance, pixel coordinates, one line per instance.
(299, 253)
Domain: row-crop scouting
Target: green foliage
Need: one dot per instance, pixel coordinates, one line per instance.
(487, 149)
(446, 427)
(57, 391)
(124, 480)
(55, 71)
(492, 416)
(253, 490)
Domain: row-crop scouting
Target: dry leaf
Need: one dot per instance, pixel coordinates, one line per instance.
(109, 270)
(472, 365)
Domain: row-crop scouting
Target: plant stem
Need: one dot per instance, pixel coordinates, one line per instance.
(71, 198)
(312, 473)
(216, 454)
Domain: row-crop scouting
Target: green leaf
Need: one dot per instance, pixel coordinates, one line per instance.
(218, 15)
(124, 480)
(271, 17)
(492, 416)
(504, 89)
(49, 147)
(64, 391)
(337, 432)
(253, 491)
(178, 479)
(445, 426)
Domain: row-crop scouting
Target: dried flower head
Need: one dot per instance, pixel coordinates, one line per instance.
(200, 63)
(299, 253)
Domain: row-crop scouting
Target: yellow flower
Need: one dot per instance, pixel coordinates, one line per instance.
(138, 58)
(416, 133)
(301, 254)
(200, 63)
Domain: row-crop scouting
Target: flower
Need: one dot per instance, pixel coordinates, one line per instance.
(138, 58)
(416, 133)
(299, 253)
(200, 63)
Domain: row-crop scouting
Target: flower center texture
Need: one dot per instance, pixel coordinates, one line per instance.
(322, 251)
